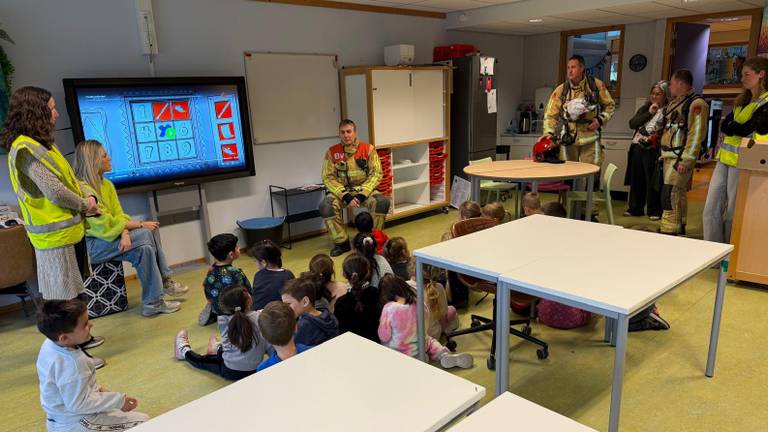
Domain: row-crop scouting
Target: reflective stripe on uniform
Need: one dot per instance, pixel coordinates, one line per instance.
(55, 226)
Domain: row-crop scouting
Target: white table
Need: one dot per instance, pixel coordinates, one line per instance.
(346, 384)
(618, 285)
(509, 410)
(492, 252)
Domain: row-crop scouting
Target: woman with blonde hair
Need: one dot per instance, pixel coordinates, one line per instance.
(644, 192)
(113, 235)
(749, 117)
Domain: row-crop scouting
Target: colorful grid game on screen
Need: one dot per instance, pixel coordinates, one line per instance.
(163, 130)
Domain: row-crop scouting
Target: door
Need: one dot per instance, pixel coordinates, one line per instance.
(429, 104)
(393, 106)
(691, 45)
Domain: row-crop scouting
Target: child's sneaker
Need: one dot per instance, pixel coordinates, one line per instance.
(205, 315)
(181, 344)
(93, 343)
(98, 362)
(173, 288)
(462, 360)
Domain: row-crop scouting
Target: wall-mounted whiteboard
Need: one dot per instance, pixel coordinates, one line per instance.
(292, 97)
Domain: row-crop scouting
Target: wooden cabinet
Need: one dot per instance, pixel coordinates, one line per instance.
(403, 112)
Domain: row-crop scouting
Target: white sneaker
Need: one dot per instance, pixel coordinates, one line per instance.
(161, 306)
(98, 362)
(181, 344)
(173, 288)
(94, 342)
(462, 360)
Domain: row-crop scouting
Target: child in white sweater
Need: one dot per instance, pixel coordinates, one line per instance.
(69, 394)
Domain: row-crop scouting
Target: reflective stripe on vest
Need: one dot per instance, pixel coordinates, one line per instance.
(47, 224)
(728, 153)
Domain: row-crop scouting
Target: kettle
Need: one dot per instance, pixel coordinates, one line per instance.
(524, 125)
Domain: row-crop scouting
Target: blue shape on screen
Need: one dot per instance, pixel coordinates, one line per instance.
(168, 150)
(142, 112)
(183, 129)
(165, 131)
(145, 132)
(186, 148)
(148, 153)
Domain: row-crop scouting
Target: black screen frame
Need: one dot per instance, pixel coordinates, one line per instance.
(72, 85)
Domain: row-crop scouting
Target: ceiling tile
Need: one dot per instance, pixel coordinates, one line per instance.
(454, 5)
(646, 10)
(706, 6)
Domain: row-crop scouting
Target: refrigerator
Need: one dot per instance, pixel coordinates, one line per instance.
(474, 130)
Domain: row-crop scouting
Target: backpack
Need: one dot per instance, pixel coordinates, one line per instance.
(560, 316)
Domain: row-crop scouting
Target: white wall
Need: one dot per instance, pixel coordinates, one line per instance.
(95, 38)
(542, 54)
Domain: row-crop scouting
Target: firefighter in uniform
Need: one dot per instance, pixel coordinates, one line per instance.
(750, 107)
(351, 172)
(685, 129)
(579, 138)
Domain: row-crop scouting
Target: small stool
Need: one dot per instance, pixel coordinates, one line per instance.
(105, 289)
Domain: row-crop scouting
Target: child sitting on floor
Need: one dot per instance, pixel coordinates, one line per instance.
(224, 249)
(314, 326)
(365, 245)
(269, 281)
(467, 210)
(397, 255)
(322, 266)
(443, 318)
(554, 209)
(278, 323)
(242, 346)
(359, 309)
(495, 210)
(69, 394)
(364, 224)
(531, 204)
(397, 325)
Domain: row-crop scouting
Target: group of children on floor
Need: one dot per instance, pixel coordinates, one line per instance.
(276, 317)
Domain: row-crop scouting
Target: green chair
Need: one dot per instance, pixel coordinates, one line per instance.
(605, 187)
(492, 186)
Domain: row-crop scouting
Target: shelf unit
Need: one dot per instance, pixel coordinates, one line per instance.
(291, 218)
(404, 111)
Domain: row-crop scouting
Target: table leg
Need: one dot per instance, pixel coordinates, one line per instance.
(502, 337)
(420, 325)
(716, 318)
(608, 329)
(535, 186)
(618, 372)
(588, 207)
(475, 189)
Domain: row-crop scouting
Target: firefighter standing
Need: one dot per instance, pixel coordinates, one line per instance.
(685, 129)
(351, 172)
(577, 128)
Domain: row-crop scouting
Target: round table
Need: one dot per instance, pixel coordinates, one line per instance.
(528, 171)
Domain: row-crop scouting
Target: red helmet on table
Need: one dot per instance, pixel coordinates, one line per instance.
(545, 150)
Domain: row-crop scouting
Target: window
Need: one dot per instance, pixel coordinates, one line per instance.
(602, 51)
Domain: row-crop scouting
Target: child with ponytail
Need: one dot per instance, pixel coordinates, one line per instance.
(242, 345)
(359, 309)
(365, 245)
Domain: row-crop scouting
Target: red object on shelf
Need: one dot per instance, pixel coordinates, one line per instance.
(447, 52)
(385, 184)
(437, 158)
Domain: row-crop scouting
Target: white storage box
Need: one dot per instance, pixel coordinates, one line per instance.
(399, 55)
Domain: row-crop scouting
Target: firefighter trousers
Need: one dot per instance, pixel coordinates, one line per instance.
(331, 211)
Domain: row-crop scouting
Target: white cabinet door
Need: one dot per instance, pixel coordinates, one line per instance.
(393, 106)
(429, 106)
(616, 153)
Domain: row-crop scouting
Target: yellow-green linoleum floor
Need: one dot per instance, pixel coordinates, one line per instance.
(664, 388)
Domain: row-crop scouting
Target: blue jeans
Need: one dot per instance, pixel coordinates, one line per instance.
(145, 255)
(721, 203)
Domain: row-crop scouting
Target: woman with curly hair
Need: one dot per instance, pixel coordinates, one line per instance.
(50, 199)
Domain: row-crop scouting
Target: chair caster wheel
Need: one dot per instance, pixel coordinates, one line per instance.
(527, 330)
(445, 210)
(451, 345)
(542, 353)
(491, 363)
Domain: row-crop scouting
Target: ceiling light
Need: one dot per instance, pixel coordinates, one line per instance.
(535, 20)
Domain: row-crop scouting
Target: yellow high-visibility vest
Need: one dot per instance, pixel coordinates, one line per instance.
(48, 225)
(728, 153)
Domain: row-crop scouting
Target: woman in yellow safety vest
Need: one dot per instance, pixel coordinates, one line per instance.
(744, 122)
(50, 199)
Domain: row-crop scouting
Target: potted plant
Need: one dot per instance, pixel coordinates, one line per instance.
(6, 74)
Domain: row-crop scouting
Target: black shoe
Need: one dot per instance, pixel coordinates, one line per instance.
(652, 322)
(594, 219)
(340, 248)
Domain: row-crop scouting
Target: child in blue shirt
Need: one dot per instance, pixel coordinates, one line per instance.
(278, 325)
(314, 325)
(222, 274)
